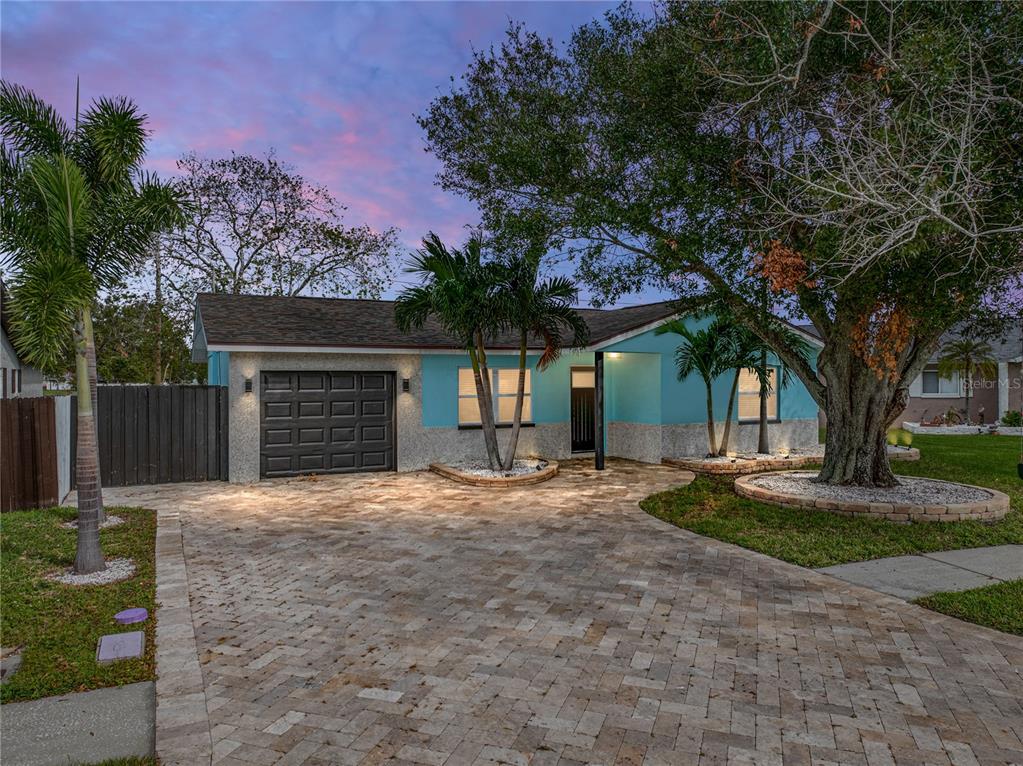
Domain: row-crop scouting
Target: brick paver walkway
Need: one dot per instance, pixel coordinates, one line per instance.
(408, 619)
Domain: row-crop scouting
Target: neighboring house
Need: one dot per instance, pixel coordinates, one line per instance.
(331, 385)
(931, 395)
(17, 378)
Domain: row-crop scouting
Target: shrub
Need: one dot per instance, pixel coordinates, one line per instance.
(1013, 418)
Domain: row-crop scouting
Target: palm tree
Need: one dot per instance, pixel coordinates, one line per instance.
(968, 358)
(76, 213)
(538, 309)
(707, 353)
(744, 354)
(460, 290)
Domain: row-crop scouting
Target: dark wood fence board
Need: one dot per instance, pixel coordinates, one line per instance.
(159, 434)
(28, 453)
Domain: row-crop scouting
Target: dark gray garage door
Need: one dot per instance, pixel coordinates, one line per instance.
(326, 422)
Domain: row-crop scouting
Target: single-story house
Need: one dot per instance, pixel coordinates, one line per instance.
(17, 377)
(932, 395)
(322, 385)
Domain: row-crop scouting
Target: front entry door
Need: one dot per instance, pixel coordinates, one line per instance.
(583, 410)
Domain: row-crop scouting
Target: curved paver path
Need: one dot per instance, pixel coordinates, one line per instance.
(377, 617)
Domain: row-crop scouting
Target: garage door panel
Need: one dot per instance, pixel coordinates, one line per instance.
(277, 436)
(374, 382)
(314, 462)
(343, 381)
(371, 434)
(277, 465)
(276, 381)
(342, 409)
(310, 409)
(307, 436)
(342, 435)
(369, 409)
(333, 422)
(342, 460)
(277, 410)
(374, 459)
(308, 382)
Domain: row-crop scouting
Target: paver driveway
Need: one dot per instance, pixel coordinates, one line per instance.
(405, 618)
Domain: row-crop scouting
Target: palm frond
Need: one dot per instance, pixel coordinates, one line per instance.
(46, 296)
(111, 141)
(66, 201)
(30, 125)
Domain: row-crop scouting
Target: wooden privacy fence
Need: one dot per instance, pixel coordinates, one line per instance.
(28, 453)
(159, 434)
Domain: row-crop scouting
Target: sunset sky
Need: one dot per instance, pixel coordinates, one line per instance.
(333, 87)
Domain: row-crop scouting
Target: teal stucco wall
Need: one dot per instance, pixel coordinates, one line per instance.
(641, 385)
(217, 367)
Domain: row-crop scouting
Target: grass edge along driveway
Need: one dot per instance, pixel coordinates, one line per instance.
(814, 539)
(57, 625)
(998, 606)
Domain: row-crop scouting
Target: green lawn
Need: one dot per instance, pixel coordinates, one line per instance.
(709, 507)
(59, 625)
(996, 606)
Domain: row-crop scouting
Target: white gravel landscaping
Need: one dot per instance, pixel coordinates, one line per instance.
(112, 521)
(910, 491)
(117, 570)
(480, 468)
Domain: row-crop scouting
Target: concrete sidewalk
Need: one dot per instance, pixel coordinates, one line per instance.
(88, 727)
(911, 577)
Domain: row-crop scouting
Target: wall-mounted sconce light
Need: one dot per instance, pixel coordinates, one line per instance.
(614, 354)
(404, 385)
(248, 385)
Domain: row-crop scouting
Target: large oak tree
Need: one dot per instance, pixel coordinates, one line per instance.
(864, 159)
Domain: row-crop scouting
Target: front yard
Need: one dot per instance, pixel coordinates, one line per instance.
(709, 507)
(57, 625)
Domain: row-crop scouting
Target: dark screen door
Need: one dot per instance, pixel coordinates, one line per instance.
(582, 420)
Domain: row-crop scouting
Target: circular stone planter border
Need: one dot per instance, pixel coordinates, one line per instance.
(990, 509)
(741, 466)
(449, 472)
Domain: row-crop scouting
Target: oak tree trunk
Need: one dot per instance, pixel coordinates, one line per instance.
(88, 555)
(860, 407)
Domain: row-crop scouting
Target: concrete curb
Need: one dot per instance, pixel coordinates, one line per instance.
(182, 719)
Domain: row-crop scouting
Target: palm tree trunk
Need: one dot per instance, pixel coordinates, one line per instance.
(520, 394)
(763, 437)
(90, 355)
(88, 554)
(969, 390)
(481, 374)
(723, 449)
(711, 435)
(158, 354)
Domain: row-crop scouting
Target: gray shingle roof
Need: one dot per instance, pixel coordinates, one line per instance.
(260, 320)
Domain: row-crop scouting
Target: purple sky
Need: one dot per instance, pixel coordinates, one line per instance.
(333, 87)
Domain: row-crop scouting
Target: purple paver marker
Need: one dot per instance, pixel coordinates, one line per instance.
(135, 614)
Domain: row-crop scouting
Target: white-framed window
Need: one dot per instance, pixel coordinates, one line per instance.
(749, 395)
(504, 384)
(932, 384)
